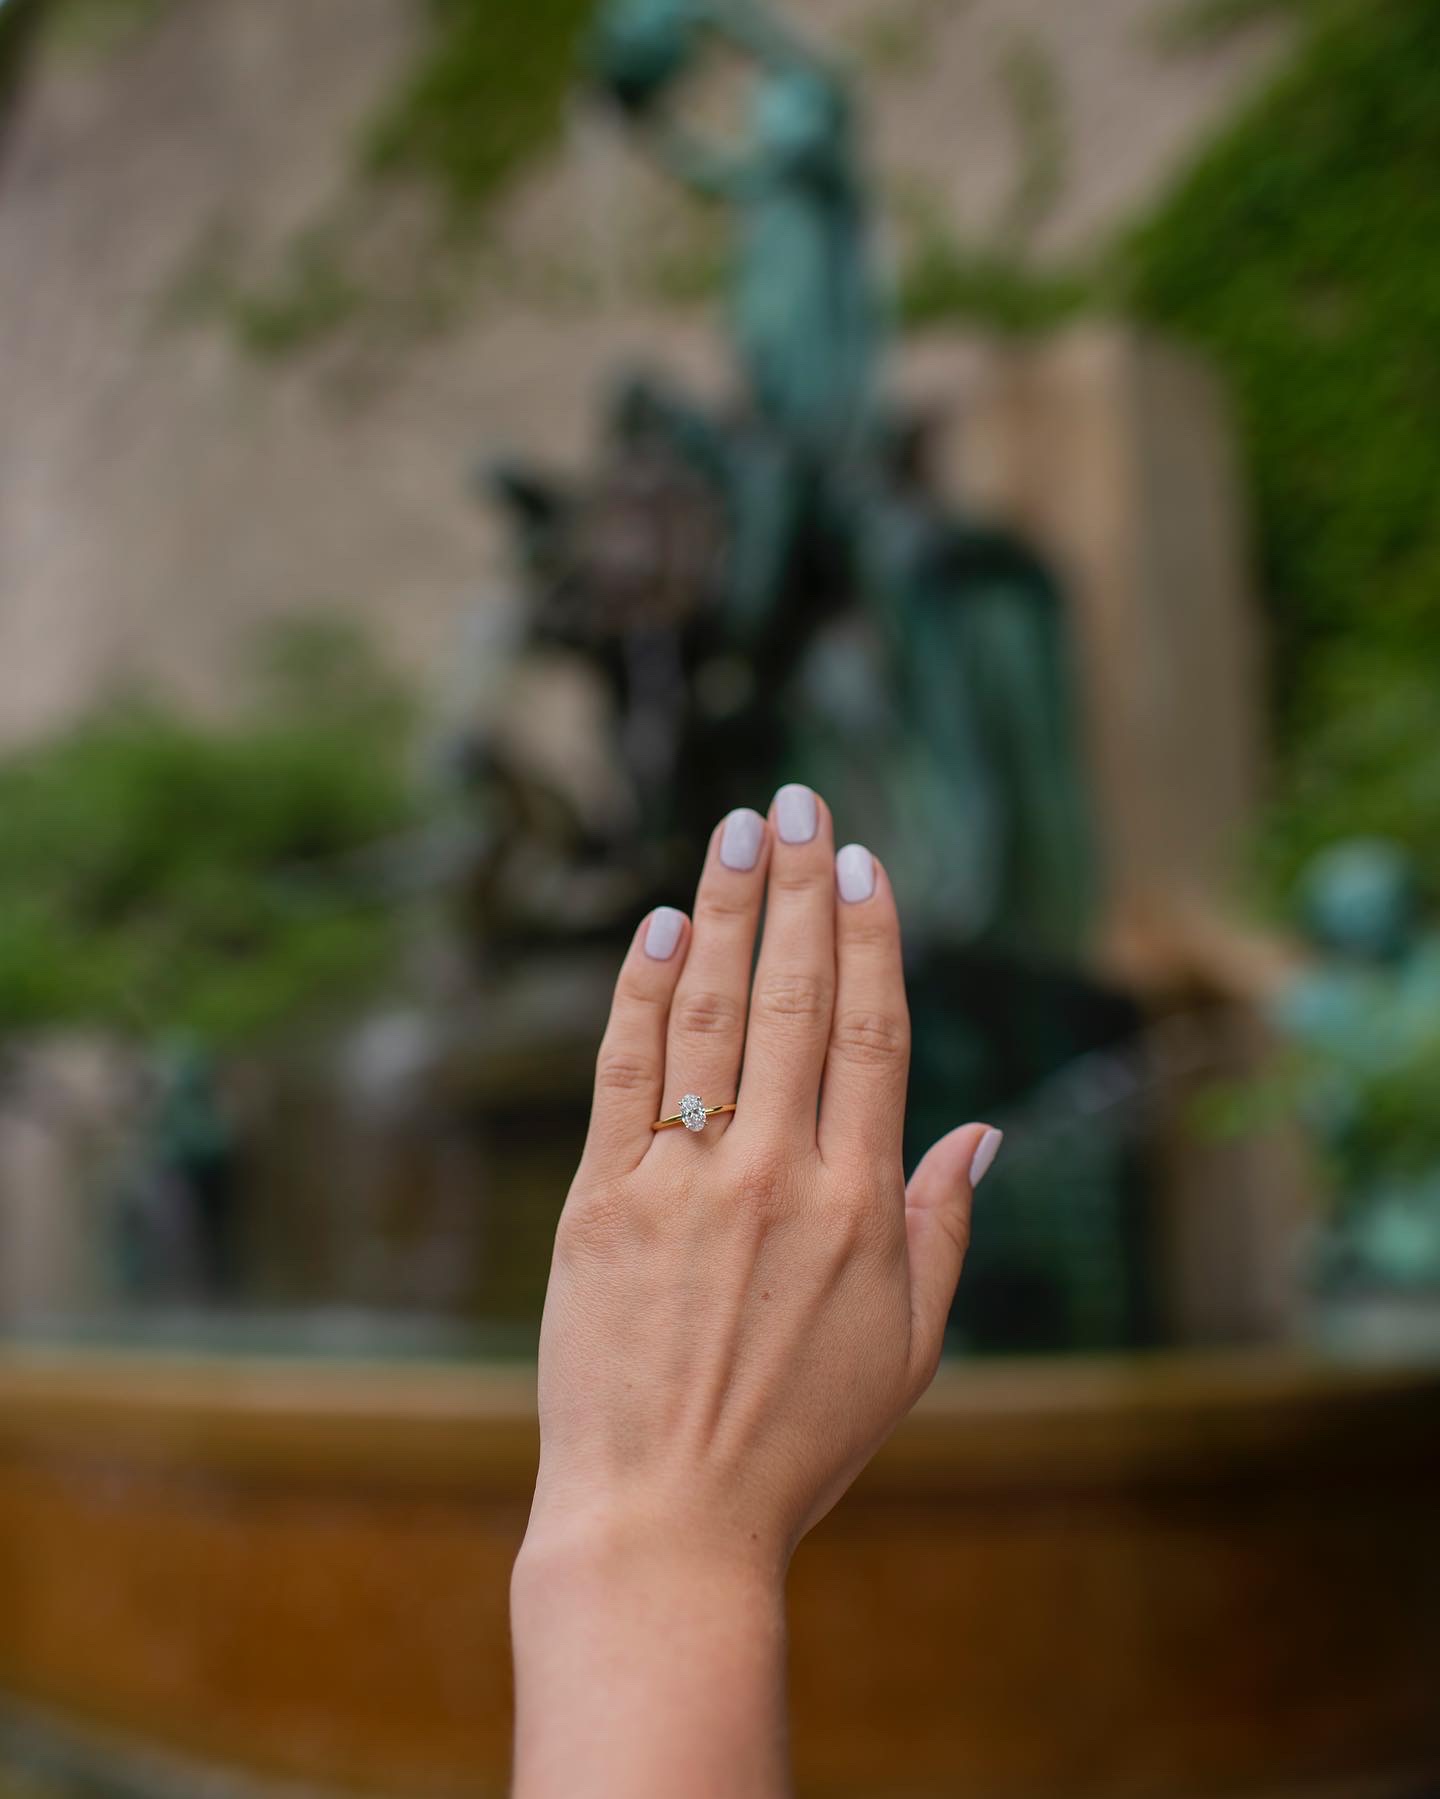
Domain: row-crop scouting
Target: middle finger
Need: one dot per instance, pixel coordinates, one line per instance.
(794, 991)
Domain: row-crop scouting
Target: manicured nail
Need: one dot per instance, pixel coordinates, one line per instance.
(663, 932)
(985, 1153)
(741, 839)
(855, 872)
(797, 817)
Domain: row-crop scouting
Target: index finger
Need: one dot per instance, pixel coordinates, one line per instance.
(630, 1068)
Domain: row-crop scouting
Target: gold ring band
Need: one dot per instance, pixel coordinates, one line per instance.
(694, 1114)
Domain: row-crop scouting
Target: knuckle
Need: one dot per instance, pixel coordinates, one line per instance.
(718, 908)
(758, 1185)
(804, 879)
(871, 1038)
(707, 1014)
(638, 996)
(795, 999)
(623, 1071)
(862, 1226)
(869, 931)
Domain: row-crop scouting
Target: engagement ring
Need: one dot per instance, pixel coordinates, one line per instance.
(692, 1114)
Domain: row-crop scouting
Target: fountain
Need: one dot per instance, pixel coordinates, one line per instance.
(1213, 1569)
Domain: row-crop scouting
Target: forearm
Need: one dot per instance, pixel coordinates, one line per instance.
(642, 1669)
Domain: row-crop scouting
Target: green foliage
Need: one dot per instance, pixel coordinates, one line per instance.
(1031, 85)
(157, 873)
(1303, 254)
(18, 20)
(312, 295)
(308, 293)
(97, 27)
(1196, 24)
(1397, 1133)
(897, 38)
(1362, 755)
(693, 265)
(943, 281)
(1392, 1124)
(993, 282)
(488, 92)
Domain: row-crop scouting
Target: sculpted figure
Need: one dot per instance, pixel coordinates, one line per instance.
(920, 660)
(806, 317)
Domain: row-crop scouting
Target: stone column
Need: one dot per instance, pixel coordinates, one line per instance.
(1113, 454)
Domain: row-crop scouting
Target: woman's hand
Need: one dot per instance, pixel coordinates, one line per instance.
(735, 1321)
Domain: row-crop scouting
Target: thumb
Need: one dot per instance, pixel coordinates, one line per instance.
(937, 1224)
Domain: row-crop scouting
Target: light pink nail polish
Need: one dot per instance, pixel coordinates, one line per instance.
(797, 817)
(741, 839)
(985, 1153)
(663, 932)
(855, 873)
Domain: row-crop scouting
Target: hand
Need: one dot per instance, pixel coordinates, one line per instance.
(737, 1319)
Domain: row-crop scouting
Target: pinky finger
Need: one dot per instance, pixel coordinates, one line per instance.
(937, 1223)
(630, 1068)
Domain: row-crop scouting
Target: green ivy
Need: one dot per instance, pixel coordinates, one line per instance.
(1302, 254)
(488, 91)
(157, 873)
(312, 295)
(943, 281)
(95, 27)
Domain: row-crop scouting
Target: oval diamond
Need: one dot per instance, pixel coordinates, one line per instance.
(692, 1112)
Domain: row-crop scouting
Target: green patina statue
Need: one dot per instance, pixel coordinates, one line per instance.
(1365, 1023)
(830, 619)
(806, 313)
(176, 1199)
(777, 591)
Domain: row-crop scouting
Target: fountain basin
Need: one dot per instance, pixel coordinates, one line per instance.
(1177, 1575)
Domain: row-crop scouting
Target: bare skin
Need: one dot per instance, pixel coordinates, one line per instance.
(735, 1322)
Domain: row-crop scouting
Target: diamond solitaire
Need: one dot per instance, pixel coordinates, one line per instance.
(693, 1114)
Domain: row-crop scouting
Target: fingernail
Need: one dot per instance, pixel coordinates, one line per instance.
(740, 840)
(797, 817)
(855, 872)
(663, 932)
(985, 1153)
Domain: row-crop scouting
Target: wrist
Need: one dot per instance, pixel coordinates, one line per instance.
(645, 1650)
(634, 1530)
(630, 1562)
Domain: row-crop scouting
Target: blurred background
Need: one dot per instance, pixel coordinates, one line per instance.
(450, 452)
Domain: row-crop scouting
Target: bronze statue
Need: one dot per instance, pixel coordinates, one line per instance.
(817, 612)
(777, 591)
(804, 302)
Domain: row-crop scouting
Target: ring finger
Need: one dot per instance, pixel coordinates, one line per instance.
(707, 1018)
